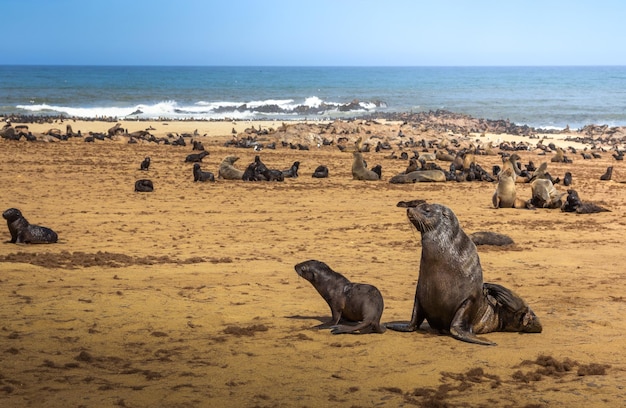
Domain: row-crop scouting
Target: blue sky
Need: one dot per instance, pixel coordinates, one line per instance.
(313, 33)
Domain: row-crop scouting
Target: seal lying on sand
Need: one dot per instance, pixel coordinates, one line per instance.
(357, 302)
(450, 292)
(22, 232)
(419, 176)
(321, 171)
(292, 172)
(196, 157)
(227, 171)
(573, 203)
(144, 186)
(544, 194)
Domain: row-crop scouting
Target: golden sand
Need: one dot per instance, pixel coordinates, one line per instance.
(187, 296)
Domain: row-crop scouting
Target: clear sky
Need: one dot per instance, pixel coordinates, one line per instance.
(313, 33)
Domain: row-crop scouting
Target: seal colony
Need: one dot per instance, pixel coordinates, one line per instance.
(450, 293)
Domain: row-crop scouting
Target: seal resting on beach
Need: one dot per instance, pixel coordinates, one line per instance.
(196, 157)
(144, 186)
(321, 171)
(419, 176)
(544, 194)
(145, 164)
(199, 175)
(573, 203)
(22, 232)
(227, 171)
(357, 302)
(450, 292)
(292, 172)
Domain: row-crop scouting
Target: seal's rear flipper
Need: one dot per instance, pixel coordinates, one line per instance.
(469, 337)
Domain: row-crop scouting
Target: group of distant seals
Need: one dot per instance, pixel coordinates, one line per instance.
(23, 232)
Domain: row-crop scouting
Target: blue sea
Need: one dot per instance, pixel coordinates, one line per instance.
(541, 97)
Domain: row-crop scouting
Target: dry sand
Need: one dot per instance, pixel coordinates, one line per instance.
(187, 296)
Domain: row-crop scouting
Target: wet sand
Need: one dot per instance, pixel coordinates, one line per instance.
(187, 296)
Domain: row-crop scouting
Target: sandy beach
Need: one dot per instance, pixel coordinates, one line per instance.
(187, 296)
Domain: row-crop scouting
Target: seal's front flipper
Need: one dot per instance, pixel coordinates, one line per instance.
(401, 327)
(469, 337)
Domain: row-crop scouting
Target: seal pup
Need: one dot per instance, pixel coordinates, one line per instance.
(144, 186)
(145, 164)
(321, 171)
(431, 176)
(573, 203)
(357, 302)
(292, 172)
(227, 169)
(23, 232)
(196, 157)
(199, 175)
(450, 292)
(490, 238)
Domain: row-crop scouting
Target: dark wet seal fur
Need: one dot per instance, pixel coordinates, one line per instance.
(357, 302)
(144, 186)
(22, 232)
(573, 203)
(450, 293)
(199, 175)
(320, 172)
(292, 172)
(145, 164)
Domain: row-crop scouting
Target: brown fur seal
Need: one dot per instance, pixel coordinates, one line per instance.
(22, 232)
(227, 171)
(359, 171)
(357, 302)
(419, 176)
(450, 292)
(544, 194)
(505, 195)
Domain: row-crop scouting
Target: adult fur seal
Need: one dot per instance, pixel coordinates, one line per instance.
(199, 175)
(144, 186)
(419, 176)
(22, 232)
(450, 292)
(227, 171)
(359, 169)
(357, 302)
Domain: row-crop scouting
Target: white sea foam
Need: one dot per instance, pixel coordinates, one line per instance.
(170, 109)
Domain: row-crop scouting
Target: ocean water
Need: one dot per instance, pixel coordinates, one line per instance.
(543, 97)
